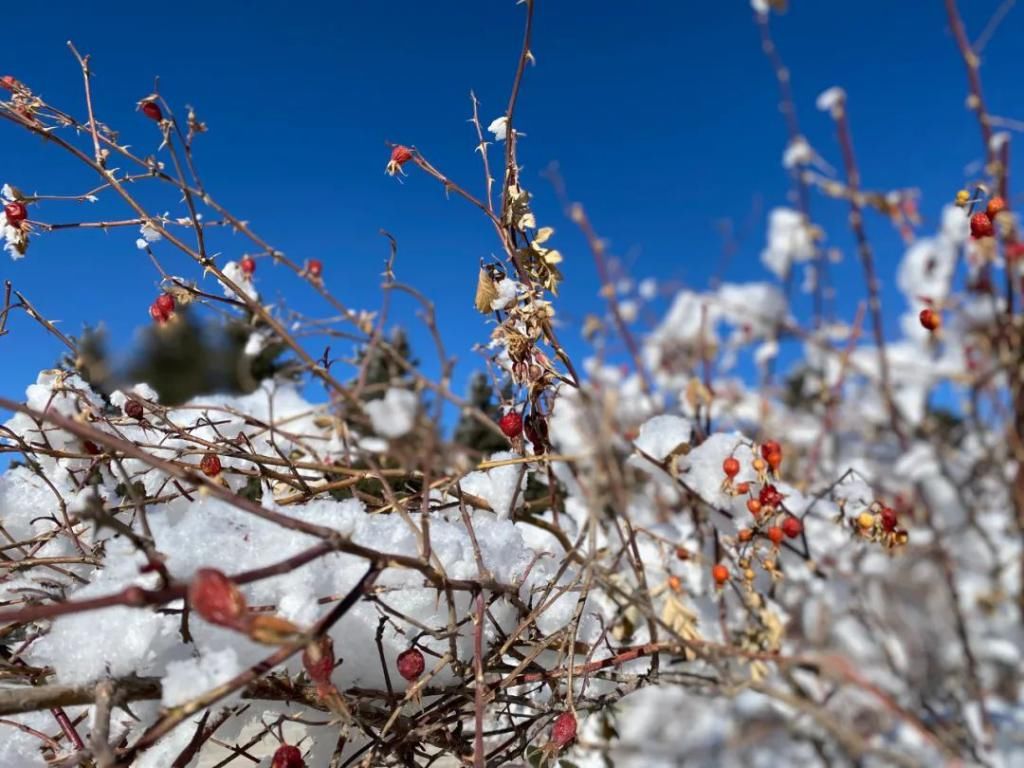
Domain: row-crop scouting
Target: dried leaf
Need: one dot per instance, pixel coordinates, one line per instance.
(272, 630)
(486, 292)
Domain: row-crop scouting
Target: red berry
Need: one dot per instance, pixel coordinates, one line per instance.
(775, 535)
(287, 756)
(754, 506)
(889, 519)
(158, 315)
(401, 155)
(769, 496)
(90, 447)
(9, 83)
(771, 451)
(563, 732)
(318, 660)
(511, 424)
(152, 110)
(930, 319)
(216, 598)
(981, 226)
(792, 527)
(210, 465)
(133, 409)
(16, 213)
(411, 664)
(248, 266)
(996, 205)
(315, 268)
(166, 303)
(743, 488)
(731, 467)
(720, 573)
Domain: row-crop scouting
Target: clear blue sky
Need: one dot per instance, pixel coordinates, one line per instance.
(662, 116)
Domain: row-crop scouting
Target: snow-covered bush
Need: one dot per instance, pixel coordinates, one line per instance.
(669, 561)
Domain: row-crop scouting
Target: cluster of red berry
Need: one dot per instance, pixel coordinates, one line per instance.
(881, 523)
(983, 222)
(162, 309)
(983, 227)
(772, 521)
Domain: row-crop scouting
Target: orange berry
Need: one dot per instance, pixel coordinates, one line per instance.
(930, 319)
(754, 506)
(759, 465)
(743, 488)
(720, 574)
(775, 535)
(745, 534)
(995, 206)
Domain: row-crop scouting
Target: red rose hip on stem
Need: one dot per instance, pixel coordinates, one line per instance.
(318, 660)
(216, 598)
(133, 409)
(792, 527)
(731, 467)
(411, 664)
(152, 110)
(889, 519)
(401, 155)
(287, 756)
(158, 315)
(930, 319)
(165, 302)
(248, 266)
(511, 424)
(563, 732)
(981, 226)
(210, 465)
(16, 212)
(315, 268)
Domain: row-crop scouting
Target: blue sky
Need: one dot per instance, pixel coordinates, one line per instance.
(661, 115)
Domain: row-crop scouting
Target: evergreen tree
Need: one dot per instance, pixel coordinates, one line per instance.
(469, 432)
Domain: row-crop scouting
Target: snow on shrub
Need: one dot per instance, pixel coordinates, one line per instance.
(638, 561)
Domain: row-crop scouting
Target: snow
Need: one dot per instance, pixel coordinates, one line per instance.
(393, 415)
(831, 98)
(499, 127)
(663, 435)
(190, 678)
(789, 241)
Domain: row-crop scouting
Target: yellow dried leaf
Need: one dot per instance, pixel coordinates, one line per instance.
(543, 235)
(680, 620)
(486, 292)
